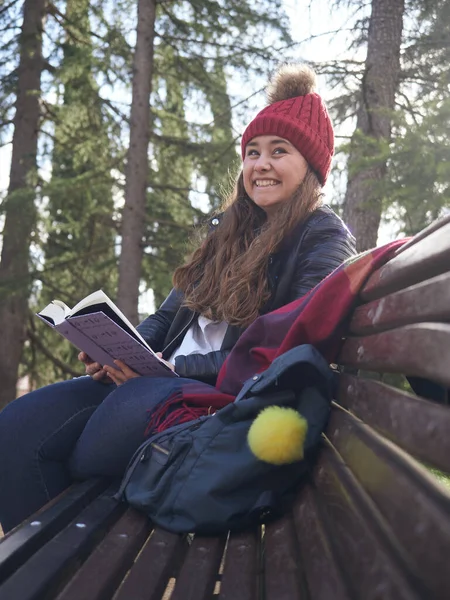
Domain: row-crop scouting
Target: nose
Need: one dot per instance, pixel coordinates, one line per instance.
(262, 163)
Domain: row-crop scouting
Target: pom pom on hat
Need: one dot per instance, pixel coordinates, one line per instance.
(277, 435)
(291, 81)
(297, 114)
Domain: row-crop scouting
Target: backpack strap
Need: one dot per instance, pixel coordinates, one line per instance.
(297, 368)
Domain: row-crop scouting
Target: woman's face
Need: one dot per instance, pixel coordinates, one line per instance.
(273, 169)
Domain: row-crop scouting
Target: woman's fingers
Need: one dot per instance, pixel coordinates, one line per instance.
(170, 365)
(84, 358)
(121, 374)
(129, 373)
(99, 375)
(93, 368)
(115, 375)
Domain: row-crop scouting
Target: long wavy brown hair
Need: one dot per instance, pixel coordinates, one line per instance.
(226, 277)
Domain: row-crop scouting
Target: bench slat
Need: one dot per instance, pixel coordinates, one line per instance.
(51, 566)
(367, 553)
(20, 544)
(434, 226)
(418, 426)
(200, 569)
(426, 301)
(283, 575)
(425, 259)
(322, 573)
(99, 576)
(394, 482)
(241, 569)
(157, 562)
(430, 357)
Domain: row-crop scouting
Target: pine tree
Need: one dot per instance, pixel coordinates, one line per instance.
(169, 212)
(418, 182)
(369, 147)
(83, 129)
(133, 214)
(414, 187)
(201, 45)
(19, 207)
(79, 233)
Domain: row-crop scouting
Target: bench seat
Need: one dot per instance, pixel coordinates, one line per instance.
(372, 522)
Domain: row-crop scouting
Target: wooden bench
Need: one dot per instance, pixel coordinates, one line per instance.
(372, 523)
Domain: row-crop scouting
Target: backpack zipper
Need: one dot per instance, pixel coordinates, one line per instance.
(159, 448)
(140, 452)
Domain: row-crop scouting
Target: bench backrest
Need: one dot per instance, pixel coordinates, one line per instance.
(375, 522)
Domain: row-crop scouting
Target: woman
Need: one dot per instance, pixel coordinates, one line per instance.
(273, 242)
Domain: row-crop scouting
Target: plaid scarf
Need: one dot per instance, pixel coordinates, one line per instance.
(319, 318)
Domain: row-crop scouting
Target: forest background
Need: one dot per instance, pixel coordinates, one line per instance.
(120, 123)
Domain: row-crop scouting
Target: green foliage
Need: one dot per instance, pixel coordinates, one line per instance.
(9, 55)
(366, 151)
(79, 233)
(200, 47)
(415, 189)
(419, 168)
(427, 50)
(193, 142)
(170, 213)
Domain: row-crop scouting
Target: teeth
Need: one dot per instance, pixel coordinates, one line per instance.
(265, 183)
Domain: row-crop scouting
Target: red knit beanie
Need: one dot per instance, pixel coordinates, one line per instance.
(298, 115)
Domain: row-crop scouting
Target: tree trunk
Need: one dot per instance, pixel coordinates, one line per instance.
(133, 215)
(368, 149)
(20, 213)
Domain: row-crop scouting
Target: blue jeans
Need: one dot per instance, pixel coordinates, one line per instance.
(75, 429)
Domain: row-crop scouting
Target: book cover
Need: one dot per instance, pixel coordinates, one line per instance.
(98, 327)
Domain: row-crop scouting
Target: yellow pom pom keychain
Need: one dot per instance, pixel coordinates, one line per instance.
(277, 435)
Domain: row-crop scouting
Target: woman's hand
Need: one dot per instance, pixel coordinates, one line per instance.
(94, 369)
(121, 374)
(170, 365)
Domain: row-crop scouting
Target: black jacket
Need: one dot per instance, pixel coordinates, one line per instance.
(312, 251)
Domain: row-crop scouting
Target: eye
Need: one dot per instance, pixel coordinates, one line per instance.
(279, 150)
(251, 152)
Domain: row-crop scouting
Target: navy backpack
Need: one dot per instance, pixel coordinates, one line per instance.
(201, 476)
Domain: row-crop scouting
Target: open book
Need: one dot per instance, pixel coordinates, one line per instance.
(99, 328)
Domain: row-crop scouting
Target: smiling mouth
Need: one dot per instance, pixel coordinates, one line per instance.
(264, 183)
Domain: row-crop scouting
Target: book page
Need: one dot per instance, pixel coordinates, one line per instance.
(94, 298)
(118, 344)
(54, 313)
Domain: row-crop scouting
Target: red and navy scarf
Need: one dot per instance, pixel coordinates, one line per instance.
(319, 318)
